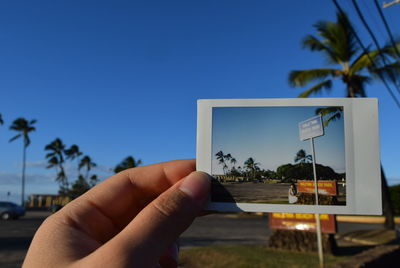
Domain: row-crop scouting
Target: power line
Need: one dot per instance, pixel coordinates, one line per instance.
(369, 57)
(387, 28)
(375, 41)
(375, 20)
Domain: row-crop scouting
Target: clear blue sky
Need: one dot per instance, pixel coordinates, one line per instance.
(271, 136)
(122, 78)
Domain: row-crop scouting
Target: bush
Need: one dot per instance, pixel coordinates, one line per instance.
(395, 196)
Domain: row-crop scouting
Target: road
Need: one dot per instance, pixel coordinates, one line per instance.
(217, 229)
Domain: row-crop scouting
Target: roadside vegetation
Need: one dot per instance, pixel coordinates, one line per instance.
(58, 156)
(250, 171)
(249, 256)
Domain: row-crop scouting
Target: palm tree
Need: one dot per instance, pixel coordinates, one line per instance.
(128, 162)
(88, 164)
(1, 120)
(252, 166)
(337, 43)
(24, 127)
(221, 160)
(73, 152)
(56, 160)
(302, 157)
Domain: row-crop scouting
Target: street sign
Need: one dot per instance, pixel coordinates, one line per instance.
(311, 128)
(302, 222)
(324, 187)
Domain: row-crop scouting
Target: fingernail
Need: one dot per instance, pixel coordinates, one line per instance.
(196, 185)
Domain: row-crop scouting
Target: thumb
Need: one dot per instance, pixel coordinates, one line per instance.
(158, 225)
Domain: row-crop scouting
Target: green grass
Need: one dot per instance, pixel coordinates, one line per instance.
(244, 256)
(372, 237)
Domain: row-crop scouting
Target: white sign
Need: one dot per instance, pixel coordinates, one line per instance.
(311, 128)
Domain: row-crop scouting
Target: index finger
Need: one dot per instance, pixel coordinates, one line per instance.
(108, 207)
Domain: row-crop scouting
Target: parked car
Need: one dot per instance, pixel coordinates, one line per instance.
(9, 210)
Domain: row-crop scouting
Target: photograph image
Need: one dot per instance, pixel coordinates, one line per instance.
(264, 155)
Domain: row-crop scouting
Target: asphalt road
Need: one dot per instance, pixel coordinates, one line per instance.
(15, 236)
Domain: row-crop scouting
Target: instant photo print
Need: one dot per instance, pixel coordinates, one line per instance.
(291, 155)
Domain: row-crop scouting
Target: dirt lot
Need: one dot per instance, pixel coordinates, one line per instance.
(249, 192)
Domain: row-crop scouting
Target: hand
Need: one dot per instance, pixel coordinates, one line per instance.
(131, 219)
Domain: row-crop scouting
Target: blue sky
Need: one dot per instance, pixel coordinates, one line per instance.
(271, 136)
(122, 78)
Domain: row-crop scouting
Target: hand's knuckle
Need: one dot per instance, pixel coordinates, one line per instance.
(169, 205)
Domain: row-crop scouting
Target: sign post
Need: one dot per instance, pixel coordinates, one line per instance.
(309, 129)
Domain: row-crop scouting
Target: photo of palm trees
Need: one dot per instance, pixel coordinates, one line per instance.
(258, 157)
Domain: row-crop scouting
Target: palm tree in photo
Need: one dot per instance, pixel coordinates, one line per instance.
(24, 127)
(227, 158)
(86, 162)
(233, 162)
(330, 114)
(221, 160)
(128, 162)
(302, 157)
(55, 159)
(354, 67)
(252, 166)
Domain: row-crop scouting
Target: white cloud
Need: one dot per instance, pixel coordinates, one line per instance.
(37, 164)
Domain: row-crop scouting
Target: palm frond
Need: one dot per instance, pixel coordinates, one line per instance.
(303, 77)
(364, 61)
(329, 114)
(392, 50)
(389, 71)
(15, 137)
(317, 88)
(313, 43)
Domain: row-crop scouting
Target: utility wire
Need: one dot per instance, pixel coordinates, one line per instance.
(387, 27)
(376, 21)
(375, 41)
(369, 57)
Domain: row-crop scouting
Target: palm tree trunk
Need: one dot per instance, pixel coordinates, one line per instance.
(350, 92)
(23, 177)
(77, 164)
(388, 211)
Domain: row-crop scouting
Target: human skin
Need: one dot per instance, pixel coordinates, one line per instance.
(132, 219)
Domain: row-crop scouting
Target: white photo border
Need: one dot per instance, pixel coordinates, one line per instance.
(361, 127)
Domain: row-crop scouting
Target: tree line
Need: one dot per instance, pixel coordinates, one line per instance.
(58, 155)
(250, 170)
